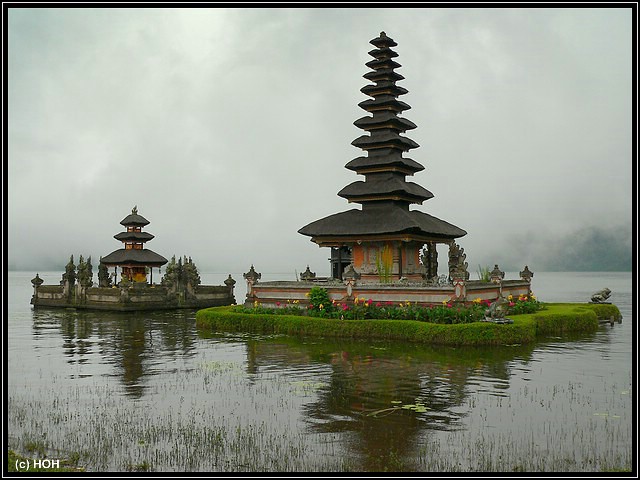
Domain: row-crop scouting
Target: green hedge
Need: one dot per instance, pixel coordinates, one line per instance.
(555, 318)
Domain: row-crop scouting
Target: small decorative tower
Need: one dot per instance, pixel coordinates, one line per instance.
(134, 258)
(382, 240)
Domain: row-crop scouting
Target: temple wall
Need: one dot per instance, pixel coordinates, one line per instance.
(51, 292)
(270, 294)
(136, 297)
(399, 254)
(107, 295)
(488, 292)
(148, 295)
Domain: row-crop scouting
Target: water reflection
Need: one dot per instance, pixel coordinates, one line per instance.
(357, 389)
(136, 345)
(369, 384)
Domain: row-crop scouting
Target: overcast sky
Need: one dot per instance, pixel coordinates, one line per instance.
(230, 128)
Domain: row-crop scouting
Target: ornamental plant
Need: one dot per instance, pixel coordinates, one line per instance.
(361, 308)
(484, 274)
(319, 301)
(384, 264)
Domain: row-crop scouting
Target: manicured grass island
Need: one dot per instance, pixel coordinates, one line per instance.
(553, 318)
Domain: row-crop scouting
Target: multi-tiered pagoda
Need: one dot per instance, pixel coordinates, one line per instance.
(134, 259)
(383, 240)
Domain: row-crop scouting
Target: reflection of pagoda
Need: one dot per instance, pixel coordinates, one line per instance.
(133, 258)
(384, 234)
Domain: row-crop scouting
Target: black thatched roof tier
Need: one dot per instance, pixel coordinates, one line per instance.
(381, 75)
(134, 220)
(385, 189)
(133, 236)
(383, 88)
(388, 219)
(134, 257)
(386, 161)
(383, 41)
(385, 102)
(382, 64)
(384, 120)
(384, 139)
(383, 52)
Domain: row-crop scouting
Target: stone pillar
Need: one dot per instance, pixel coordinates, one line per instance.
(396, 270)
(527, 275)
(496, 277)
(252, 278)
(430, 260)
(36, 282)
(458, 279)
(230, 283)
(350, 277)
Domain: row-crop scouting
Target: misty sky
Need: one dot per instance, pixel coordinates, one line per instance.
(230, 128)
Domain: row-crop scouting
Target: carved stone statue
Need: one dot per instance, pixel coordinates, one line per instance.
(601, 296)
(497, 311)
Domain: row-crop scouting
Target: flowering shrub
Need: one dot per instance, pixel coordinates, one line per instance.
(319, 301)
(523, 304)
(446, 313)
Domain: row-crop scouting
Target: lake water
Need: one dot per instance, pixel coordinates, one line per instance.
(146, 391)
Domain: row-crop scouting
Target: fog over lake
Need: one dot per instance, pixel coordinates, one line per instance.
(230, 128)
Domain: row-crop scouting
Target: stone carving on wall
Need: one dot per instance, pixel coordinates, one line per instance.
(458, 268)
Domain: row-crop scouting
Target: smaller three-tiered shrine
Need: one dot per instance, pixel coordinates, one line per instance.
(134, 259)
(179, 288)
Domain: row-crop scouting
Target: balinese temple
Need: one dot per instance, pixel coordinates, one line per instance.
(134, 259)
(384, 238)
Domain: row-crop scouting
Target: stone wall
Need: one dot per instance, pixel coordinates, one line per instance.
(272, 294)
(132, 298)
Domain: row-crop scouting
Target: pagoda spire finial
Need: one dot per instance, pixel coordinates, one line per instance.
(134, 210)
